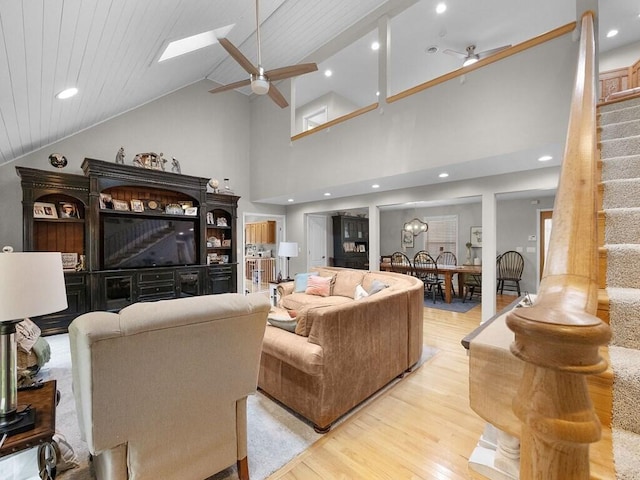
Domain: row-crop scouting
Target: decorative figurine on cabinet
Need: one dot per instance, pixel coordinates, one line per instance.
(120, 156)
(175, 165)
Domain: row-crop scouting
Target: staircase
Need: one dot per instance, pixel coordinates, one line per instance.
(619, 127)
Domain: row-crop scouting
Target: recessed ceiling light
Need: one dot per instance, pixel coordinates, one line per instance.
(290, 200)
(443, 175)
(441, 7)
(545, 158)
(375, 46)
(194, 42)
(328, 73)
(327, 194)
(432, 49)
(375, 185)
(612, 33)
(67, 93)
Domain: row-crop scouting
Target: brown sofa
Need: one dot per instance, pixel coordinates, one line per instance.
(343, 350)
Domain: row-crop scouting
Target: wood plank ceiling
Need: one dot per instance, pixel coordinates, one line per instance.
(109, 50)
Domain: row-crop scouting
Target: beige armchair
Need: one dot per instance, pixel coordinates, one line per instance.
(161, 387)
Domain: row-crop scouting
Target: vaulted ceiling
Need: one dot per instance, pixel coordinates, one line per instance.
(108, 49)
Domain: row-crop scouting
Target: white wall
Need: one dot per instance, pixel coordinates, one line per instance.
(620, 58)
(516, 104)
(207, 133)
(336, 105)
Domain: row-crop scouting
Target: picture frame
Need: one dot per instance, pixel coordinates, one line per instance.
(210, 218)
(137, 205)
(191, 211)
(106, 202)
(225, 258)
(44, 210)
(407, 239)
(226, 243)
(476, 236)
(68, 210)
(69, 261)
(120, 205)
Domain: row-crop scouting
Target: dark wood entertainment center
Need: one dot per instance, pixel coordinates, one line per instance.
(207, 266)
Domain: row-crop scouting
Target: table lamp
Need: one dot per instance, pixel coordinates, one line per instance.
(31, 284)
(288, 250)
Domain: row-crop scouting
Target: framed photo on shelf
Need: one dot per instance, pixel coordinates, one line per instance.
(407, 239)
(69, 261)
(120, 205)
(106, 201)
(44, 210)
(225, 258)
(226, 242)
(476, 237)
(68, 210)
(137, 206)
(191, 211)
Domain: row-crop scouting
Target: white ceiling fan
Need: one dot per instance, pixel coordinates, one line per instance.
(472, 56)
(259, 79)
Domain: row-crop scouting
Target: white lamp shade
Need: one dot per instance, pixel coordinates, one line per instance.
(288, 249)
(31, 284)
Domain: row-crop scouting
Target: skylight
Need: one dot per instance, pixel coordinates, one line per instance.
(194, 42)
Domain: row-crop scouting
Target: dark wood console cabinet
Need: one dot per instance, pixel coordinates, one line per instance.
(351, 242)
(108, 193)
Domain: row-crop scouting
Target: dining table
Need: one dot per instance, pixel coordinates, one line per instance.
(447, 271)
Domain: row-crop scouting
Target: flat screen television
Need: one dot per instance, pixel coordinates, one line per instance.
(139, 242)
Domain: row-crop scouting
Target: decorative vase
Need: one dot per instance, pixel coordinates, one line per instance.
(468, 262)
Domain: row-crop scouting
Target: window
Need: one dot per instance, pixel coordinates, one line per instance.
(442, 235)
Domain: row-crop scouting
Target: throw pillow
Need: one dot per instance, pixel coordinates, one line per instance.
(376, 286)
(360, 293)
(289, 324)
(320, 286)
(301, 280)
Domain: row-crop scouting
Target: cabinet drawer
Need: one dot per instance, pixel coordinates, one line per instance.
(154, 290)
(147, 277)
(74, 280)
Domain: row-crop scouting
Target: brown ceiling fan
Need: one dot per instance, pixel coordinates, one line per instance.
(260, 80)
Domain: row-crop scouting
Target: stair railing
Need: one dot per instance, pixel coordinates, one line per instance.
(559, 336)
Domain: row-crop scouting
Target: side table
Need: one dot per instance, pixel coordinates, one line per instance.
(41, 436)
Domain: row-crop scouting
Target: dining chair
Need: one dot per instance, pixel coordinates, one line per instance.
(472, 283)
(447, 258)
(400, 263)
(426, 269)
(510, 267)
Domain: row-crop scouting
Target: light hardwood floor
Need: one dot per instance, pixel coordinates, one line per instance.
(422, 428)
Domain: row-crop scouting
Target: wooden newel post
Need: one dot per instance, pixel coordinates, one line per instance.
(553, 402)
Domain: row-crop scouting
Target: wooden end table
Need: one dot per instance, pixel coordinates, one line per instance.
(41, 436)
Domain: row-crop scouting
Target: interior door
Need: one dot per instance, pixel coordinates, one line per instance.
(545, 234)
(317, 235)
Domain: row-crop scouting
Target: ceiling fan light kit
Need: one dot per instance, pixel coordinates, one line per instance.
(471, 56)
(260, 80)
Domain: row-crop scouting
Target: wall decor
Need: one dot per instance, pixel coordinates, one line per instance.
(407, 239)
(191, 211)
(68, 210)
(476, 236)
(151, 160)
(106, 201)
(44, 210)
(57, 160)
(120, 205)
(69, 261)
(137, 205)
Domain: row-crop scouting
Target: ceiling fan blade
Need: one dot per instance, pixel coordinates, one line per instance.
(231, 86)
(238, 56)
(290, 71)
(276, 96)
(454, 53)
(486, 53)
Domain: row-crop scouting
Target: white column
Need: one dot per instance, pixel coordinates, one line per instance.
(489, 245)
(497, 455)
(374, 237)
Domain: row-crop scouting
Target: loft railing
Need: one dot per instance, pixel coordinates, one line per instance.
(558, 337)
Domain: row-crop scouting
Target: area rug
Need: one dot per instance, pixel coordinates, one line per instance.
(269, 423)
(456, 304)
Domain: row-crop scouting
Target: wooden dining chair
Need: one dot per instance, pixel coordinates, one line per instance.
(509, 271)
(400, 263)
(426, 269)
(447, 258)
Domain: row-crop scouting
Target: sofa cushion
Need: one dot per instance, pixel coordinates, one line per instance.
(293, 350)
(301, 280)
(317, 285)
(346, 281)
(300, 301)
